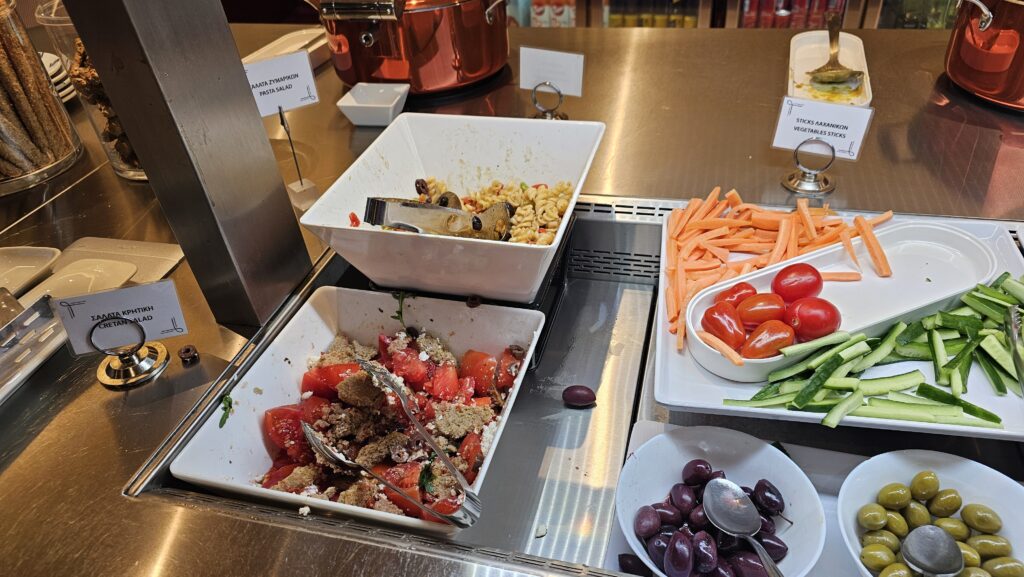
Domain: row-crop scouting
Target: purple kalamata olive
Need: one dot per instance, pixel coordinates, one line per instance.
(698, 492)
(656, 547)
(697, 472)
(747, 564)
(669, 514)
(685, 530)
(728, 544)
(719, 474)
(578, 396)
(705, 553)
(775, 547)
(768, 497)
(679, 556)
(767, 526)
(682, 497)
(723, 569)
(646, 522)
(629, 563)
(697, 519)
(748, 492)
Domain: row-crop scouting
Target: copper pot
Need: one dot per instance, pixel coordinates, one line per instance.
(432, 45)
(986, 50)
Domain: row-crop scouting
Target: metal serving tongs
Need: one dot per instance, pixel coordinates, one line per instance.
(465, 516)
(1012, 330)
(495, 223)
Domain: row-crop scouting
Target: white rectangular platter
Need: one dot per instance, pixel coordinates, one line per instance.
(680, 383)
(232, 458)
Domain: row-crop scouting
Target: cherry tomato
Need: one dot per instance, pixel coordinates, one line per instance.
(405, 476)
(757, 309)
(283, 428)
(322, 381)
(407, 364)
(722, 320)
(767, 339)
(482, 367)
(735, 294)
(797, 281)
(812, 317)
(445, 384)
(472, 453)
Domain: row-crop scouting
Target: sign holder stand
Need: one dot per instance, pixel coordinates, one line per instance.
(303, 191)
(810, 181)
(130, 366)
(545, 112)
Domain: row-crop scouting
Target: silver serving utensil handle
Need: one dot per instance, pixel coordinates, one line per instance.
(1011, 328)
(494, 223)
(461, 518)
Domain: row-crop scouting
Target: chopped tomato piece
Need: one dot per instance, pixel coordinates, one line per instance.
(482, 367)
(445, 384)
(383, 342)
(407, 364)
(467, 386)
(314, 409)
(277, 474)
(405, 476)
(472, 452)
(445, 506)
(426, 405)
(322, 381)
(508, 368)
(481, 401)
(353, 219)
(283, 428)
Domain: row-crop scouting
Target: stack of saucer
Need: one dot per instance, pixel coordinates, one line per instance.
(59, 76)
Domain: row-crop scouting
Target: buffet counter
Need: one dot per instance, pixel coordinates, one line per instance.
(83, 481)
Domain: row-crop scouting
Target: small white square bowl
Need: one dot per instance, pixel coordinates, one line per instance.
(373, 104)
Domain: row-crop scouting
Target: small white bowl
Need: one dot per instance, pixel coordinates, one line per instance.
(652, 469)
(975, 482)
(370, 104)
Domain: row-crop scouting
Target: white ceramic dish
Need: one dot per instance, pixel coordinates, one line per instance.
(23, 266)
(467, 152)
(81, 277)
(313, 39)
(975, 482)
(233, 457)
(373, 104)
(680, 383)
(932, 266)
(651, 470)
(809, 50)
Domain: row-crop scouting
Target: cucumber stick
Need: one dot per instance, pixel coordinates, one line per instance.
(833, 383)
(913, 331)
(938, 357)
(882, 350)
(1014, 288)
(821, 358)
(998, 283)
(776, 401)
(991, 373)
(936, 394)
(819, 343)
(884, 385)
(937, 410)
(946, 335)
(844, 369)
(847, 355)
(905, 398)
(966, 325)
(847, 405)
(769, 390)
(999, 353)
(996, 295)
(817, 380)
(904, 415)
(988, 309)
(965, 312)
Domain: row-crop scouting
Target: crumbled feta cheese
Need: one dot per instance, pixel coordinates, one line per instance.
(487, 438)
(424, 356)
(310, 490)
(304, 511)
(307, 395)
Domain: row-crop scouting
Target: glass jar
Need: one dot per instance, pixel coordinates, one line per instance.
(36, 137)
(54, 18)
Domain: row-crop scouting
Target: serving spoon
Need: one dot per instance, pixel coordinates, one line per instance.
(732, 511)
(832, 72)
(931, 551)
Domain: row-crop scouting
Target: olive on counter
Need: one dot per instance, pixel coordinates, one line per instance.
(955, 527)
(917, 515)
(881, 537)
(945, 503)
(871, 517)
(578, 396)
(1004, 567)
(924, 485)
(989, 546)
(971, 557)
(896, 524)
(877, 557)
(981, 518)
(896, 570)
(894, 496)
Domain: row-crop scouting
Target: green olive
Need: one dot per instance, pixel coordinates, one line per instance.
(955, 527)
(999, 567)
(881, 537)
(971, 557)
(894, 496)
(871, 517)
(877, 557)
(981, 518)
(989, 546)
(974, 572)
(896, 524)
(895, 570)
(924, 485)
(917, 515)
(945, 503)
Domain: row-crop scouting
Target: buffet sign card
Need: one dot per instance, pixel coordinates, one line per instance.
(562, 69)
(283, 82)
(154, 306)
(841, 125)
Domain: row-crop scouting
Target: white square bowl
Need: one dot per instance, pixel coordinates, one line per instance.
(233, 457)
(467, 152)
(371, 104)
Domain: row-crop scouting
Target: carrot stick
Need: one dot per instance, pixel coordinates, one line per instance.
(709, 204)
(729, 274)
(699, 265)
(878, 259)
(805, 214)
(885, 216)
(765, 220)
(757, 261)
(691, 208)
(827, 238)
(717, 344)
(709, 223)
(747, 267)
(719, 210)
(767, 234)
(844, 235)
(671, 301)
(792, 246)
(754, 247)
(726, 242)
(840, 276)
(681, 337)
(733, 198)
(681, 288)
(720, 253)
(699, 274)
(781, 242)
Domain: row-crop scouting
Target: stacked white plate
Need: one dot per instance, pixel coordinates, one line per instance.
(58, 76)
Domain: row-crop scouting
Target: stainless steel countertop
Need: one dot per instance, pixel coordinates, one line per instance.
(675, 129)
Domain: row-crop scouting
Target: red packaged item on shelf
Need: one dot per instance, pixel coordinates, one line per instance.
(798, 14)
(816, 13)
(766, 14)
(748, 16)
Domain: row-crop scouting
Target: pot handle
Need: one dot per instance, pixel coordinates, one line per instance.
(986, 15)
(489, 13)
(358, 9)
